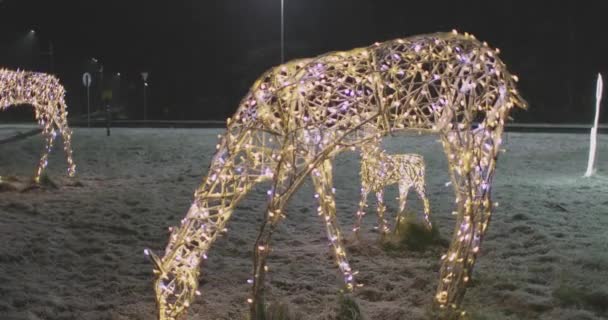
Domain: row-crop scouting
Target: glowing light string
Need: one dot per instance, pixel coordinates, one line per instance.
(47, 96)
(298, 116)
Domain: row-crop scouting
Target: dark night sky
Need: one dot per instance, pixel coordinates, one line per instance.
(202, 55)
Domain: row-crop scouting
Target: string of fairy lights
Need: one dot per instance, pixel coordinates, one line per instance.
(380, 170)
(47, 96)
(298, 116)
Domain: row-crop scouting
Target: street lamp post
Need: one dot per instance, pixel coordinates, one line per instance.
(97, 67)
(89, 105)
(86, 81)
(50, 52)
(144, 77)
(145, 101)
(282, 31)
(100, 87)
(51, 57)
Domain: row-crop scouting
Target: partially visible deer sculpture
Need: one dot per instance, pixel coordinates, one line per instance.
(47, 96)
(298, 116)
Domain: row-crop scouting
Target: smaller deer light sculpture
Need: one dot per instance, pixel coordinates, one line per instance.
(380, 170)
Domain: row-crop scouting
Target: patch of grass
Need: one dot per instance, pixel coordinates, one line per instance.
(7, 187)
(46, 181)
(485, 315)
(279, 311)
(74, 183)
(8, 179)
(472, 313)
(8, 183)
(434, 313)
(348, 309)
(412, 234)
(519, 217)
(589, 299)
(595, 262)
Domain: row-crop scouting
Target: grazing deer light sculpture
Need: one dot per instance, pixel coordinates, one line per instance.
(47, 96)
(298, 116)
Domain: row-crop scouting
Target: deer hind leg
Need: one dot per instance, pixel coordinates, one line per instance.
(425, 203)
(361, 211)
(419, 186)
(66, 133)
(323, 182)
(49, 133)
(404, 189)
(472, 164)
(367, 179)
(239, 163)
(381, 210)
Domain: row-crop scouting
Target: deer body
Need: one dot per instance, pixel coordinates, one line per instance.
(380, 170)
(298, 116)
(46, 95)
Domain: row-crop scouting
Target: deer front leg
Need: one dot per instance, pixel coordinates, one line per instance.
(420, 186)
(361, 211)
(404, 189)
(66, 133)
(382, 224)
(323, 182)
(261, 250)
(420, 190)
(49, 133)
(471, 168)
(287, 178)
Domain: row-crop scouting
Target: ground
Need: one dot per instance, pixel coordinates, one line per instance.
(76, 252)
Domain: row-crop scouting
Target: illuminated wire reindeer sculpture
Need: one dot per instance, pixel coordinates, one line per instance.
(298, 116)
(47, 96)
(380, 170)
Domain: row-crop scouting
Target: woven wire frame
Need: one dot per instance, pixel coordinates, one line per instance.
(299, 115)
(379, 170)
(47, 96)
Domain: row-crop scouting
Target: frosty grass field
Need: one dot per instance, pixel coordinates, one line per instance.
(76, 252)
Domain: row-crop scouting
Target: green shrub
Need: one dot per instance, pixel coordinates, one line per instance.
(46, 181)
(348, 309)
(279, 311)
(412, 234)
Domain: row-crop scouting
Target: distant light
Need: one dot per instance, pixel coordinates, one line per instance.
(94, 60)
(145, 84)
(32, 31)
(118, 74)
